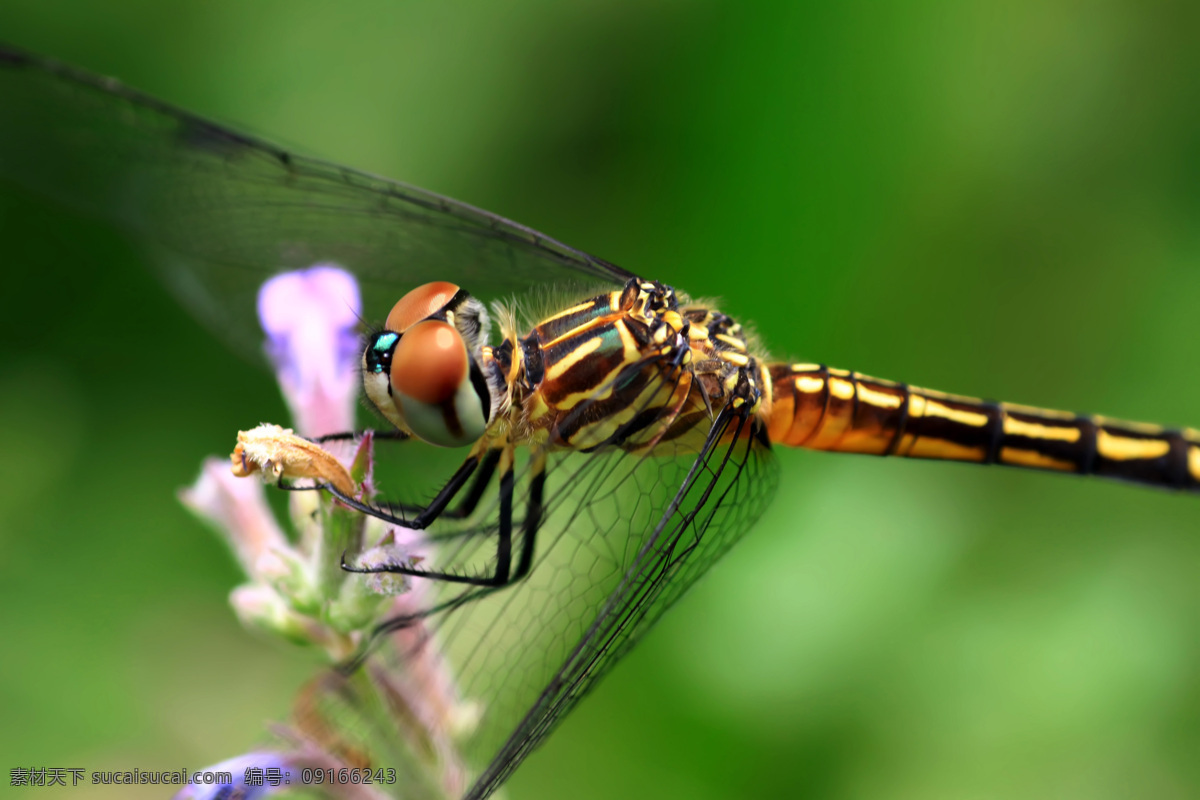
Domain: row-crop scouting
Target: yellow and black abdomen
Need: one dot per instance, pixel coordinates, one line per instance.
(821, 408)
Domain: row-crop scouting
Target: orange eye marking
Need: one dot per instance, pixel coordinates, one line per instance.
(419, 304)
(430, 362)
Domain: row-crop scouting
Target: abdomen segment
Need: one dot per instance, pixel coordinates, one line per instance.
(823, 408)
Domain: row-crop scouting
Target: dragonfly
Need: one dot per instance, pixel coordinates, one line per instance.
(614, 440)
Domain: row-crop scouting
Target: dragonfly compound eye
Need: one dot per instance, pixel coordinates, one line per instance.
(432, 387)
(420, 304)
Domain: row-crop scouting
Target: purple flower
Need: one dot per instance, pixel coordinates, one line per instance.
(238, 510)
(310, 317)
(296, 586)
(249, 774)
(265, 773)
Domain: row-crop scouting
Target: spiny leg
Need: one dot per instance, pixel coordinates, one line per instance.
(426, 516)
(534, 511)
(387, 511)
(501, 575)
(466, 504)
(345, 436)
(533, 517)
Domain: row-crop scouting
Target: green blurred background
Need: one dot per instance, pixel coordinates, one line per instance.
(999, 199)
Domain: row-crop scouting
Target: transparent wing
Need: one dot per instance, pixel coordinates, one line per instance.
(655, 564)
(222, 211)
(624, 536)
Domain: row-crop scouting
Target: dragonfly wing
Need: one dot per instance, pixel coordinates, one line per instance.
(623, 537)
(223, 210)
(720, 501)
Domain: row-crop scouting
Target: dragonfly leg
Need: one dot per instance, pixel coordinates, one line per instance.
(466, 505)
(502, 573)
(425, 517)
(345, 436)
(388, 511)
(533, 516)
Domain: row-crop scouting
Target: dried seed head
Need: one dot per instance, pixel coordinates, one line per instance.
(279, 453)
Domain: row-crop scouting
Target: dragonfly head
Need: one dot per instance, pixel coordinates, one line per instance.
(422, 371)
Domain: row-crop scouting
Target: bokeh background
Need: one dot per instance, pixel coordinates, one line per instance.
(998, 199)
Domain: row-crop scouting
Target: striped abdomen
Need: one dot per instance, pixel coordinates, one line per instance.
(830, 409)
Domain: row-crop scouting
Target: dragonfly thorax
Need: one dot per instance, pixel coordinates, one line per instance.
(631, 369)
(422, 370)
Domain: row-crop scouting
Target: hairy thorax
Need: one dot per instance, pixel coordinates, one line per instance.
(633, 368)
